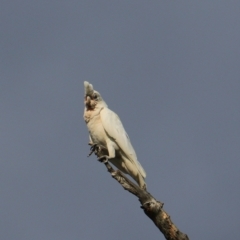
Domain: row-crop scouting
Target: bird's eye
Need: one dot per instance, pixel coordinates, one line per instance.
(95, 96)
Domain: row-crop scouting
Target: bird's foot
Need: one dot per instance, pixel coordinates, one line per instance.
(144, 187)
(103, 159)
(93, 149)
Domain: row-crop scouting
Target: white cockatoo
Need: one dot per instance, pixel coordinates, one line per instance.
(106, 129)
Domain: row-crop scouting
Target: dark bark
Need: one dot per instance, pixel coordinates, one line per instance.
(151, 207)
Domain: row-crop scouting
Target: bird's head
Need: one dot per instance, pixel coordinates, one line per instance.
(92, 98)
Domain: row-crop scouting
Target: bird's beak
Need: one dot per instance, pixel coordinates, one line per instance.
(87, 101)
(88, 89)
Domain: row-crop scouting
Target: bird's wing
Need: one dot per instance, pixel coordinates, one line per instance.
(114, 128)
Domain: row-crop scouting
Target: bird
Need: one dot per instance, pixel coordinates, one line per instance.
(106, 129)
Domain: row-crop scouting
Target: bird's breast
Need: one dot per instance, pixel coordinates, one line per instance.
(96, 130)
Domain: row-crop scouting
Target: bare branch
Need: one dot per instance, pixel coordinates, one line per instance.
(152, 208)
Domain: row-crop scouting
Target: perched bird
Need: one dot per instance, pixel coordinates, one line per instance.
(105, 129)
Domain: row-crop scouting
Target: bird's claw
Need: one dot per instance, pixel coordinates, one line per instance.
(93, 148)
(103, 159)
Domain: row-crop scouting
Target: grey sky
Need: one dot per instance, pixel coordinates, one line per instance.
(170, 69)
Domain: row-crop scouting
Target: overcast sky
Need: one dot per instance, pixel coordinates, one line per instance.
(169, 69)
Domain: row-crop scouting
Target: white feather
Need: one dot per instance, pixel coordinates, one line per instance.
(115, 130)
